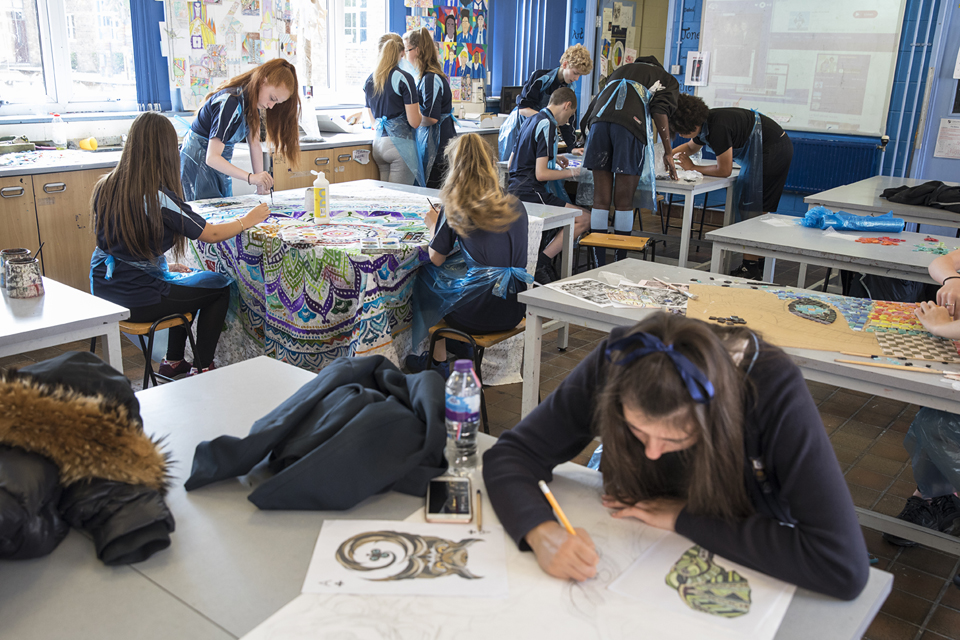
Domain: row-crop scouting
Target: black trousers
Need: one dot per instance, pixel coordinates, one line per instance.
(212, 305)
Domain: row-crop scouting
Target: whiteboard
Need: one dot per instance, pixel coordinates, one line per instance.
(811, 65)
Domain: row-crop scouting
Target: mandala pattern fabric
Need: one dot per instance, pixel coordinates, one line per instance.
(309, 294)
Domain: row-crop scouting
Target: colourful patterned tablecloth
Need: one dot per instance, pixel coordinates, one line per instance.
(307, 294)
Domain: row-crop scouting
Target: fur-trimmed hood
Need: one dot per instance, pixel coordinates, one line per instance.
(87, 436)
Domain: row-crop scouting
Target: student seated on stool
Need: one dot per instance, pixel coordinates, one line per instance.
(933, 439)
(535, 176)
(476, 289)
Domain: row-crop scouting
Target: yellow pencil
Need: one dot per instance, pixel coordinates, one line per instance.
(479, 511)
(556, 508)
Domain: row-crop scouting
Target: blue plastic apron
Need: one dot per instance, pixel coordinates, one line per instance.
(554, 186)
(199, 180)
(428, 138)
(404, 138)
(158, 269)
(748, 188)
(460, 279)
(647, 187)
(510, 129)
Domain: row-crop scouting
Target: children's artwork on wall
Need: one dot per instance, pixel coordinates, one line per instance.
(231, 41)
(212, 1)
(288, 46)
(178, 12)
(460, 29)
(408, 558)
(464, 27)
(216, 60)
(462, 68)
(455, 88)
(179, 72)
(251, 48)
(250, 7)
(466, 90)
(480, 28)
(413, 23)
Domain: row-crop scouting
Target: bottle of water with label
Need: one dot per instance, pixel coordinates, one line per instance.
(463, 418)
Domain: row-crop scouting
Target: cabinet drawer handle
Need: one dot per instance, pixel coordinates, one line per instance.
(321, 161)
(344, 157)
(54, 187)
(11, 192)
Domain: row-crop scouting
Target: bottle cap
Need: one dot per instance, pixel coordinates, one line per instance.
(463, 365)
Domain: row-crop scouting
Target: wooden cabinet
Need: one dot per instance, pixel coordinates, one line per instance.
(346, 169)
(63, 218)
(337, 163)
(18, 214)
(53, 208)
(286, 177)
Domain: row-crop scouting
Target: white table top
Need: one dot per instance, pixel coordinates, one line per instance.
(61, 309)
(918, 388)
(864, 197)
(801, 242)
(230, 565)
(553, 217)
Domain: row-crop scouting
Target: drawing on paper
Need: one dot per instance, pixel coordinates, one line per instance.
(588, 289)
(810, 309)
(918, 347)
(425, 556)
(706, 586)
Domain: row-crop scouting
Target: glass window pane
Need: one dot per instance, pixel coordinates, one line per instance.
(101, 58)
(21, 62)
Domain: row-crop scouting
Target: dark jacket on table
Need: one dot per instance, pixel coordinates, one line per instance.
(929, 194)
(73, 452)
(361, 427)
(804, 532)
(646, 71)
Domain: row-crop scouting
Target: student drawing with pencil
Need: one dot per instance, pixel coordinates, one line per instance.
(707, 431)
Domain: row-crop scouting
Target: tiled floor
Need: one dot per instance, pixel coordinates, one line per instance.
(867, 436)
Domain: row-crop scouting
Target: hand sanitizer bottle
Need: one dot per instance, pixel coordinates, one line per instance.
(315, 200)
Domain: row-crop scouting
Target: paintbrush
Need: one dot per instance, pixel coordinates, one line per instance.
(692, 296)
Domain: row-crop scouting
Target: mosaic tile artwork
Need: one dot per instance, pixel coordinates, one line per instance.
(815, 310)
(898, 317)
(933, 246)
(856, 311)
(886, 241)
(918, 347)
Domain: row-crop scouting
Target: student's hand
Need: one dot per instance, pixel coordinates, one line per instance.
(933, 318)
(562, 555)
(257, 215)
(562, 162)
(577, 152)
(263, 180)
(176, 267)
(661, 513)
(670, 165)
(355, 118)
(685, 162)
(574, 171)
(949, 296)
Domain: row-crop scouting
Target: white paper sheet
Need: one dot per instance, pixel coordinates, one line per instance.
(381, 557)
(777, 222)
(948, 139)
(645, 582)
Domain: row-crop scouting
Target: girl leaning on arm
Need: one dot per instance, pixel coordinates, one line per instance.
(230, 115)
(707, 431)
(139, 215)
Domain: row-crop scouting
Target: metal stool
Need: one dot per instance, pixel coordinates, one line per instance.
(149, 329)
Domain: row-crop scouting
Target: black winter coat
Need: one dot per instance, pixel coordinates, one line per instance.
(73, 453)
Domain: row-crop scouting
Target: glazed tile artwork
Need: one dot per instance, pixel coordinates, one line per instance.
(919, 347)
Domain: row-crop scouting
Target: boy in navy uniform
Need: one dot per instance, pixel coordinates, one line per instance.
(529, 171)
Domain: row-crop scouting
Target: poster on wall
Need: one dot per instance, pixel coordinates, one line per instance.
(460, 30)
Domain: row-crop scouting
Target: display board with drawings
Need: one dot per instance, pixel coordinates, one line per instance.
(616, 37)
(461, 33)
(208, 42)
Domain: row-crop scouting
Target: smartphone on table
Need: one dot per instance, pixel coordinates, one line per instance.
(449, 500)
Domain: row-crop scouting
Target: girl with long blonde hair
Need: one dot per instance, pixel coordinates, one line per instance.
(393, 109)
(475, 290)
(436, 129)
(231, 114)
(139, 214)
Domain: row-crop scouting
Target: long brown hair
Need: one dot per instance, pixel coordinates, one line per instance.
(389, 49)
(714, 485)
(282, 120)
(471, 193)
(150, 160)
(427, 59)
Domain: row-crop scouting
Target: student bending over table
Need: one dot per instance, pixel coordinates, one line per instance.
(436, 128)
(139, 214)
(762, 148)
(476, 289)
(535, 176)
(231, 114)
(933, 439)
(707, 431)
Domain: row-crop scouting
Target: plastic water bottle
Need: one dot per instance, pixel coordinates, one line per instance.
(463, 418)
(59, 135)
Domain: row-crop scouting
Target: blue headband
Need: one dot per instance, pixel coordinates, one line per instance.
(700, 388)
